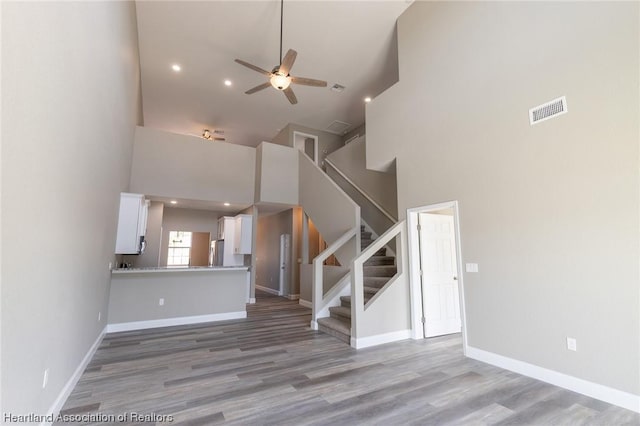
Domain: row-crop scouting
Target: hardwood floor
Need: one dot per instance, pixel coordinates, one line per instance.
(271, 369)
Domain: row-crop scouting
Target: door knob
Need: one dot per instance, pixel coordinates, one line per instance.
(455, 278)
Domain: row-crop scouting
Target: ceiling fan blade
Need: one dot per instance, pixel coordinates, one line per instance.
(253, 67)
(258, 88)
(308, 82)
(287, 61)
(288, 92)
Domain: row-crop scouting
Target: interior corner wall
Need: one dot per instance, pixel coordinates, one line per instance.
(535, 202)
(70, 104)
(268, 253)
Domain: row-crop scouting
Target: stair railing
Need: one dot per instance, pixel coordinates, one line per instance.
(321, 301)
(382, 210)
(358, 316)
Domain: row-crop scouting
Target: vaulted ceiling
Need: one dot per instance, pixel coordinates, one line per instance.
(351, 43)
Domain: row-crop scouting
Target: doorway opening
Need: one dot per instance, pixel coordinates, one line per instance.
(437, 287)
(306, 143)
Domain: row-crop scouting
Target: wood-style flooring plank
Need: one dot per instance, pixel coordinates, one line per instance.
(272, 369)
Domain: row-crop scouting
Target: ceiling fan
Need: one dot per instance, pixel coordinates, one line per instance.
(279, 77)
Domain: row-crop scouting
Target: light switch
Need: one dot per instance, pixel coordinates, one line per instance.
(472, 267)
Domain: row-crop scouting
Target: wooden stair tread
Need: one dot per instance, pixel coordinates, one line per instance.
(379, 270)
(340, 311)
(346, 300)
(380, 260)
(336, 328)
(370, 290)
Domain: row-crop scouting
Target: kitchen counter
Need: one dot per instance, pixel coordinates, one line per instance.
(180, 269)
(160, 297)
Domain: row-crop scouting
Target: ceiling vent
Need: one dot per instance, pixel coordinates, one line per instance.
(548, 110)
(338, 127)
(337, 88)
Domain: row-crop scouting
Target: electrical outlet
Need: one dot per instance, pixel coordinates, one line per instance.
(161, 301)
(45, 378)
(572, 344)
(472, 267)
(99, 316)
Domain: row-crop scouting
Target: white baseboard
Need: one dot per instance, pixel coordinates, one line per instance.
(293, 297)
(594, 390)
(73, 380)
(268, 290)
(380, 339)
(313, 325)
(168, 322)
(252, 300)
(305, 303)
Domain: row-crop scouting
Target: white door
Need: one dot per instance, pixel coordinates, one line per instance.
(285, 261)
(440, 292)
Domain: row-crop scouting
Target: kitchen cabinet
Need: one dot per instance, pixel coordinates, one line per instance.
(225, 227)
(132, 223)
(226, 242)
(243, 229)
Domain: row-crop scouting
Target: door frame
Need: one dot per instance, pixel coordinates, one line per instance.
(414, 268)
(316, 160)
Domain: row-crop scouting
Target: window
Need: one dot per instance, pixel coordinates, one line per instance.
(179, 248)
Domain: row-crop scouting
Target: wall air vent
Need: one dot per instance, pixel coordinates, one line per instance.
(548, 110)
(338, 127)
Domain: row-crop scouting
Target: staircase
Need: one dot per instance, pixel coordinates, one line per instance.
(378, 270)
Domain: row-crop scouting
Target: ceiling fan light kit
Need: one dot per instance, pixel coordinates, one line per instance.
(279, 81)
(279, 78)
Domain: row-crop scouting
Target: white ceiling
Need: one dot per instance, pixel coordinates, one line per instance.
(351, 43)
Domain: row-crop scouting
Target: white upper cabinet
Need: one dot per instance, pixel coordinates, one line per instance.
(243, 234)
(132, 223)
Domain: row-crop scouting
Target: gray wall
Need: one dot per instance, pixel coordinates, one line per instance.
(70, 104)
(178, 219)
(178, 166)
(278, 179)
(327, 142)
(332, 211)
(268, 252)
(135, 296)
(380, 186)
(535, 202)
(360, 131)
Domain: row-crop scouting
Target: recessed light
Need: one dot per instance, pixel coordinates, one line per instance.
(227, 204)
(367, 99)
(228, 83)
(176, 67)
(173, 202)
